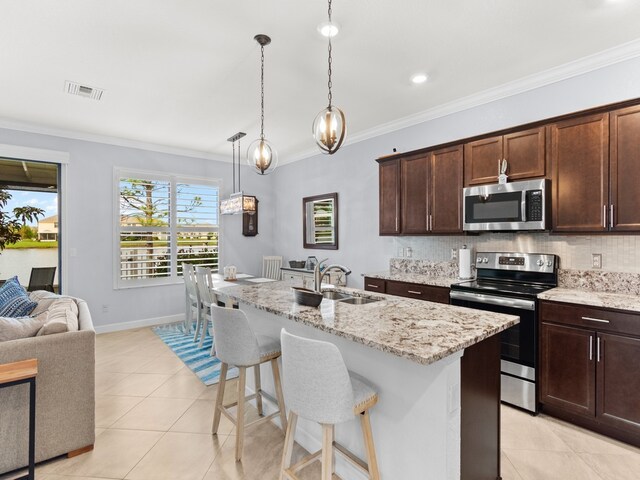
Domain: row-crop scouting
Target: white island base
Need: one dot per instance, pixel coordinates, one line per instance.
(416, 422)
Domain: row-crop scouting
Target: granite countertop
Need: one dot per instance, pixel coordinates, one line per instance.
(423, 332)
(592, 298)
(420, 278)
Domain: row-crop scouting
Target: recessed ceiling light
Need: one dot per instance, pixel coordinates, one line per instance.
(419, 78)
(328, 29)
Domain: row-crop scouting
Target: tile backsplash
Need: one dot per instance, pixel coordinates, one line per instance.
(620, 253)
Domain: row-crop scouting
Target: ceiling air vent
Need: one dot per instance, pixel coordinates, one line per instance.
(83, 90)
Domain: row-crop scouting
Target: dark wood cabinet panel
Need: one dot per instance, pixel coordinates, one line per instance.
(618, 374)
(481, 161)
(525, 154)
(580, 173)
(446, 190)
(414, 182)
(418, 291)
(567, 368)
(624, 213)
(374, 284)
(480, 411)
(389, 178)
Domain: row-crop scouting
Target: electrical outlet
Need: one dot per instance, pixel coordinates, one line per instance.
(596, 260)
(408, 252)
(454, 254)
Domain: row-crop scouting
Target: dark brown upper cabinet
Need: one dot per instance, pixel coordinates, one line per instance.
(389, 196)
(446, 190)
(524, 152)
(624, 204)
(580, 172)
(422, 193)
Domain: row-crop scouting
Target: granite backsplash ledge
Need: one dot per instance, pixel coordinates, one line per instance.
(424, 267)
(600, 281)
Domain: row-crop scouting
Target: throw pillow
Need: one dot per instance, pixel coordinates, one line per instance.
(62, 316)
(15, 328)
(14, 301)
(44, 300)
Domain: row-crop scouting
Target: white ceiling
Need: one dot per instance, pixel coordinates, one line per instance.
(185, 73)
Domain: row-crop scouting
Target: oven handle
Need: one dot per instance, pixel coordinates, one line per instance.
(490, 299)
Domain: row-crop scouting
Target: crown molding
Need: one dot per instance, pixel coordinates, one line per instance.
(11, 124)
(618, 54)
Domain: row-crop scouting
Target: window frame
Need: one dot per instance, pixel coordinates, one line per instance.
(173, 229)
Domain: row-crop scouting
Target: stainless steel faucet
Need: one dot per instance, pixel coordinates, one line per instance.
(318, 276)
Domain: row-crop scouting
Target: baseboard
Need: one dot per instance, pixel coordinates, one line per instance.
(147, 322)
(311, 443)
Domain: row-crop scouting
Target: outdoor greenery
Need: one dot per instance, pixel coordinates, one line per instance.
(12, 222)
(31, 244)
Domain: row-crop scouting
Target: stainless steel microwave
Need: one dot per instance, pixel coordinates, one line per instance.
(510, 206)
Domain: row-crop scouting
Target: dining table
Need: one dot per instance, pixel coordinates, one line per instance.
(220, 284)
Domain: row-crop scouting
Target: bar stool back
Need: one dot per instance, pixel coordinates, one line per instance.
(236, 344)
(192, 298)
(320, 388)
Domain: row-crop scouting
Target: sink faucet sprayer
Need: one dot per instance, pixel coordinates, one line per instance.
(318, 276)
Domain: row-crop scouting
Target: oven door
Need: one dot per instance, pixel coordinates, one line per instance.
(518, 344)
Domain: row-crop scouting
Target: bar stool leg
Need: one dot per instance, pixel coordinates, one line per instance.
(327, 451)
(256, 376)
(372, 461)
(242, 380)
(288, 444)
(219, 397)
(280, 397)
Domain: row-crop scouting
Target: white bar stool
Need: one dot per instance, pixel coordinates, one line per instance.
(236, 344)
(320, 388)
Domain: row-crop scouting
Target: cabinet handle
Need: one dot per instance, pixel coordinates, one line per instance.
(372, 286)
(397, 223)
(598, 349)
(611, 215)
(604, 216)
(414, 292)
(595, 320)
(430, 222)
(590, 347)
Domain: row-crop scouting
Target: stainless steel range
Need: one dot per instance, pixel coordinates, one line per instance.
(509, 283)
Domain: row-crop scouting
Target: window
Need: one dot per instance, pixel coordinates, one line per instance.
(163, 221)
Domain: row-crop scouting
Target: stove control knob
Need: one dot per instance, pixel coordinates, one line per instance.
(540, 263)
(485, 260)
(549, 263)
(479, 260)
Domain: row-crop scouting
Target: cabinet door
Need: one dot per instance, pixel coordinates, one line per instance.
(414, 175)
(567, 368)
(389, 177)
(481, 161)
(619, 381)
(446, 190)
(525, 154)
(624, 214)
(580, 172)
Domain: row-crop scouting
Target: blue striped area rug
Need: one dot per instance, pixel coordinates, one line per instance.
(199, 360)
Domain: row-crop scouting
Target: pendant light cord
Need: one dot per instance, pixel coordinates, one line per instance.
(262, 92)
(233, 163)
(329, 84)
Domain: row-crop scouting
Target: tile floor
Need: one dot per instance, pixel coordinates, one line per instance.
(153, 420)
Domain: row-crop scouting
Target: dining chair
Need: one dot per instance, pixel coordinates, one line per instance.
(204, 282)
(192, 298)
(41, 279)
(271, 267)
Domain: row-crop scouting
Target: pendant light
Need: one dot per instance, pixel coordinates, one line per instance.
(237, 202)
(261, 155)
(329, 127)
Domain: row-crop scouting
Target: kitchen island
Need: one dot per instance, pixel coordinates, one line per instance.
(412, 352)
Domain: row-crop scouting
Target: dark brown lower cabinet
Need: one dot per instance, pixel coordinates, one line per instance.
(590, 368)
(568, 374)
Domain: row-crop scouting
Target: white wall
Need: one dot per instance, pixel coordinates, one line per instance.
(353, 173)
(90, 223)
